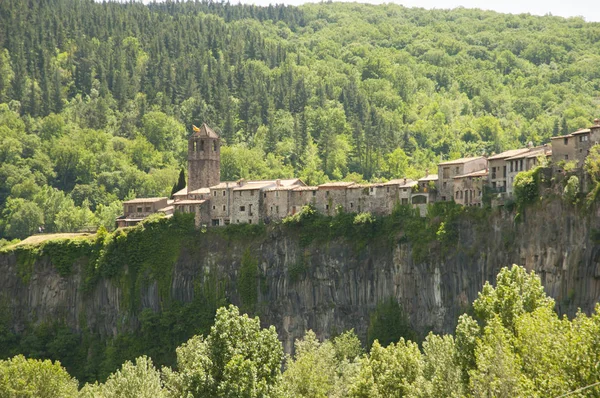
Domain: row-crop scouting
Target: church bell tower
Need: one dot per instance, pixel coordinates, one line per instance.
(204, 158)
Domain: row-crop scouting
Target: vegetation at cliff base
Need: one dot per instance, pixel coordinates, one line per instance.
(97, 98)
(515, 346)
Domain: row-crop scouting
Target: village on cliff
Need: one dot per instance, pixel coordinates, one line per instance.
(216, 203)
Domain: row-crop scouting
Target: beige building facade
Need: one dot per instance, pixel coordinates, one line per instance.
(450, 169)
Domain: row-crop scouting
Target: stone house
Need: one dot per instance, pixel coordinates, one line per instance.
(136, 210)
(498, 169)
(563, 149)
(277, 203)
(523, 162)
(221, 196)
(403, 191)
(331, 195)
(450, 169)
(302, 196)
(468, 188)
(358, 199)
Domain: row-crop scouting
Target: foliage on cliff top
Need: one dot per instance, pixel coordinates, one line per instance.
(405, 225)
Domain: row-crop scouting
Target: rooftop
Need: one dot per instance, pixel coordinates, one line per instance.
(430, 177)
(181, 192)
(337, 184)
(189, 202)
(461, 160)
(144, 200)
(478, 173)
(204, 131)
(508, 154)
(531, 152)
(305, 188)
(580, 131)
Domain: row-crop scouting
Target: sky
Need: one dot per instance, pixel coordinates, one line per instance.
(588, 9)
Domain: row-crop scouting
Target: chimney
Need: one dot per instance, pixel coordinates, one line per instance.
(278, 182)
(241, 182)
(405, 180)
(597, 122)
(426, 172)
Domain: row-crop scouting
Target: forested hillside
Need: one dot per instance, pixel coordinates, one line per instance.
(96, 99)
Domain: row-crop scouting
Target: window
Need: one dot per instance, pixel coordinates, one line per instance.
(446, 172)
(404, 201)
(504, 172)
(264, 195)
(493, 173)
(566, 141)
(444, 184)
(240, 193)
(139, 209)
(201, 145)
(404, 190)
(251, 193)
(277, 209)
(276, 194)
(214, 207)
(242, 208)
(326, 193)
(250, 221)
(351, 205)
(494, 185)
(388, 189)
(443, 199)
(224, 208)
(130, 209)
(371, 189)
(456, 194)
(148, 209)
(215, 222)
(214, 146)
(223, 192)
(271, 209)
(326, 207)
(521, 165)
(566, 157)
(214, 193)
(456, 170)
(314, 193)
(511, 167)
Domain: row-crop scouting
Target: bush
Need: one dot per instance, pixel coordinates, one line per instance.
(527, 187)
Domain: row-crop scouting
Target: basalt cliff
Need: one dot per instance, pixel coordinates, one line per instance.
(327, 285)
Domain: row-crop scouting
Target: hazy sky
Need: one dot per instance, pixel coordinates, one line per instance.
(589, 9)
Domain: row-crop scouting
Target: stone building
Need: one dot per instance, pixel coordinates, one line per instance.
(302, 196)
(524, 161)
(331, 195)
(575, 146)
(136, 210)
(402, 191)
(468, 188)
(498, 169)
(450, 169)
(204, 158)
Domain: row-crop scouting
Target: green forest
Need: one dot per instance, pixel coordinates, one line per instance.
(97, 99)
(512, 345)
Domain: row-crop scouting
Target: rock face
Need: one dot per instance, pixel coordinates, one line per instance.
(331, 287)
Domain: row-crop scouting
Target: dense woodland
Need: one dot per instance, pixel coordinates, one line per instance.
(513, 345)
(96, 99)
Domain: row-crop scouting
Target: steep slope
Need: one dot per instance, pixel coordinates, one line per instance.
(328, 285)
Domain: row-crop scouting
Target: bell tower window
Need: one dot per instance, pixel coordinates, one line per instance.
(202, 145)
(214, 146)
